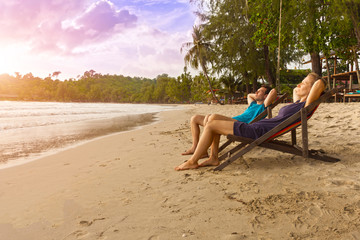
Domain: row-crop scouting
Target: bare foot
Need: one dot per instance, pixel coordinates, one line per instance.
(186, 166)
(188, 152)
(191, 152)
(210, 162)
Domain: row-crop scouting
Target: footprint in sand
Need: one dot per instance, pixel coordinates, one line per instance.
(299, 223)
(315, 210)
(79, 234)
(347, 183)
(154, 237)
(236, 236)
(85, 223)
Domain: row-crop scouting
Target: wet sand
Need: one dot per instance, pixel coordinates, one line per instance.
(25, 144)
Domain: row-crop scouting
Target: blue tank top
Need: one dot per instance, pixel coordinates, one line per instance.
(250, 113)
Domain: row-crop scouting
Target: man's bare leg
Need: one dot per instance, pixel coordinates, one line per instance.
(220, 117)
(195, 123)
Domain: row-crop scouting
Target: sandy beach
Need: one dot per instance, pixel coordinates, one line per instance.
(124, 186)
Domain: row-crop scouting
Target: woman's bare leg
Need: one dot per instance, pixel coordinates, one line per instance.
(212, 129)
(214, 155)
(213, 160)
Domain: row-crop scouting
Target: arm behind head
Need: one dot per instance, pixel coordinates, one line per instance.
(250, 98)
(270, 98)
(295, 96)
(317, 88)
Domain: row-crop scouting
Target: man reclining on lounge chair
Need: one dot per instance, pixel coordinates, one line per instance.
(305, 93)
(257, 102)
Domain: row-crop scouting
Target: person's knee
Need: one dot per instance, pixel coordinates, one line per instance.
(197, 119)
(214, 117)
(210, 125)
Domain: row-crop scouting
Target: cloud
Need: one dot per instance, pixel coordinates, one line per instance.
(20, 19)
(61, 26)
(136, 38)
(100, 22)
(141, 52)
(103, 17)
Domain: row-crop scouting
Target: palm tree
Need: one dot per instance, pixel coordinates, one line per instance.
(198, 54)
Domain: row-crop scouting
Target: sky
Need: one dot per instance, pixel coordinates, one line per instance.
(139, 38)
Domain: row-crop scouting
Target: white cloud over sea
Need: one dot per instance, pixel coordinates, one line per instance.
(136, 38)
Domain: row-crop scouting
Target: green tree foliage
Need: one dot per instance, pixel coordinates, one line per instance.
(179, 89)
(231, 85)
(234, 53)
(93, 87)
(197, 54)
(314, 33)
(244, 34)
(346, 29)
(265, 15)
(199, 89)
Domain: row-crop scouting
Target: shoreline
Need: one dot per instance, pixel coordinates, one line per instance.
(35, 154)
(82, 132)
(124, 186)
(31, 128)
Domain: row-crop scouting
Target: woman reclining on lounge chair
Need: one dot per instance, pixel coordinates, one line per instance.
(302, 96)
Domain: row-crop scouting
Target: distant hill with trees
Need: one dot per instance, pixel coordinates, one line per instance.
(95, 87)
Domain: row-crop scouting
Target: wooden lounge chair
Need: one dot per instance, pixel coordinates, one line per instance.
(267, 112)
(268, 139)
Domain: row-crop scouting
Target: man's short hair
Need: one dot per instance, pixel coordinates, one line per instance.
(268, 89)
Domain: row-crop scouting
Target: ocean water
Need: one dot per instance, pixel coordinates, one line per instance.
(31, 129)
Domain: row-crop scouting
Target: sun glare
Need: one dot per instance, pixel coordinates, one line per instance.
(10, 60)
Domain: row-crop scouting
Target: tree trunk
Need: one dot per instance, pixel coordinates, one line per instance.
(269, 75)
(353, 7)
(246, 78)
(315, 63)
(208, 79)
(254, 85)
(356, 65)
(278, 57)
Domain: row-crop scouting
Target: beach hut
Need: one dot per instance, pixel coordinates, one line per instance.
(349, 79)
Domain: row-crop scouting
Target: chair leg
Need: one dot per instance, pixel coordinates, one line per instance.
(305, 143)
(293, 137)
(236, 156)
(227, 143)
(231, 151)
